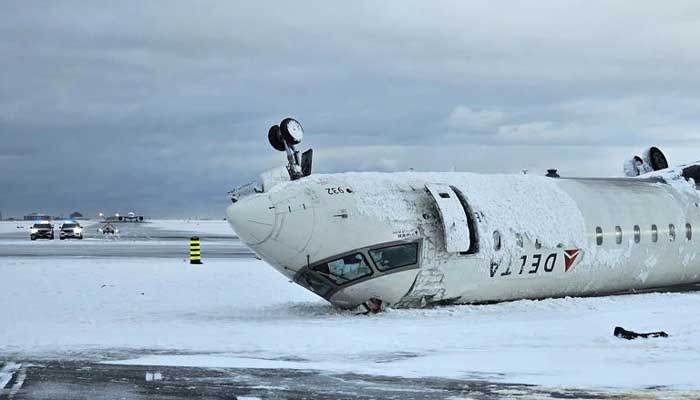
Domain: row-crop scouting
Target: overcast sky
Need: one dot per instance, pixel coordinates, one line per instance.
(161, 107)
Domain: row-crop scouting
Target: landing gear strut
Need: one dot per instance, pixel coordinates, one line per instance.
(284, 137)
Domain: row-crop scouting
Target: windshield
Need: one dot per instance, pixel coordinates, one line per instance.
(69, 226)
(395, 256)
(345, 269)
(42, 226)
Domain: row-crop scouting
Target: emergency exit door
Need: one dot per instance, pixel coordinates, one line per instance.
(453, 217)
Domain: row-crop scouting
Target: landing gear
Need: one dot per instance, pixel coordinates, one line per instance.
(291, 130)
(656, 158)
(284, 137)
(275, 137)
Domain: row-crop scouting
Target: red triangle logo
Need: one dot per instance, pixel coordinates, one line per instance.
(570, 257)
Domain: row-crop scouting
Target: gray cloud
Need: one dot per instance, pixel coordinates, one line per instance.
(162, 107)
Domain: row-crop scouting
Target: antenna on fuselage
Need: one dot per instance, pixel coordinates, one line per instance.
(284, 137)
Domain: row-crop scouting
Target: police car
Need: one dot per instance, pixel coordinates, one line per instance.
(41, 230)
(71, 230)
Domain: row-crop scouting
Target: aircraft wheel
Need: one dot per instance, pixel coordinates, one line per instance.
(657, 159)
(292, 132)
(275, 137)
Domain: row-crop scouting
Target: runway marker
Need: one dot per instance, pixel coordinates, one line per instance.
(195, 251)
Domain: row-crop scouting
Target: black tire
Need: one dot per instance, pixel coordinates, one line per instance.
(80, 237)
(657, 159)
(291, 136)
(62, 238)
(638, 165)
(32, 237)
(275, 137)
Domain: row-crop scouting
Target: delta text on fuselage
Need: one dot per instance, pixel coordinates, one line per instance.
(410, 239)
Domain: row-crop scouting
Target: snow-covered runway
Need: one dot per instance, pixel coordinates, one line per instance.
(240, 313)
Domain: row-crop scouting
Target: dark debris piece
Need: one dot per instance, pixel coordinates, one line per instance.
(629, 335)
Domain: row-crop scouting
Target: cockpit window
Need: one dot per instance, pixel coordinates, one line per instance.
(395, 256)
(345, 269)
(314, 282)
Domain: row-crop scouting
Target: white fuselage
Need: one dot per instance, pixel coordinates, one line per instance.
(355, 236)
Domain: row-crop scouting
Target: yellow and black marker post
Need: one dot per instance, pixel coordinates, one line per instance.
(195, 251)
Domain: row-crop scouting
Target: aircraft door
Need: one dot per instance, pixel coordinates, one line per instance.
(453, 217)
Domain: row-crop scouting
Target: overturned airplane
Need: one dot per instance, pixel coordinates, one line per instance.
(414, 239)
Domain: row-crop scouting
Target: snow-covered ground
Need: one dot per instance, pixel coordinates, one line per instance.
(241, 313)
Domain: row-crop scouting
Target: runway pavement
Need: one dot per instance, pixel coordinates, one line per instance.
(134, 240)
(88, 380)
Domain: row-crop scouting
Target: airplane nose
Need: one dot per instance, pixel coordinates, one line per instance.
(253, 219)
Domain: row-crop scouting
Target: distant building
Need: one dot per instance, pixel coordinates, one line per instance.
(37, 216)
(76, 215)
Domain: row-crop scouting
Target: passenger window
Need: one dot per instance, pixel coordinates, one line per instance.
(688, 231)
(395, 256)
(345, 269)
(599, 236)
(671, 232)
(496, 240)
(538, 245)
(654, 234)
(637, 234)
(618, 235)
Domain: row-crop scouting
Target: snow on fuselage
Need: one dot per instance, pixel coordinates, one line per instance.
(354, 236)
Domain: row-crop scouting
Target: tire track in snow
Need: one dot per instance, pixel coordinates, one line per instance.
(21, 376)
(6, 374)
